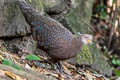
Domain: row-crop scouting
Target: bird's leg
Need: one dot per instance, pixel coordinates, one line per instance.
(60, 67)
(61, 70)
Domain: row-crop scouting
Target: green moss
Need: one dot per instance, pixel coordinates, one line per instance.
(85, 56)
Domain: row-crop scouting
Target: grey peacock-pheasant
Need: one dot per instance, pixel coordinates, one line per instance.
(53, 37)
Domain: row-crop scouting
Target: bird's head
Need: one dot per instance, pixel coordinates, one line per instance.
(82, 39)
(79, 41)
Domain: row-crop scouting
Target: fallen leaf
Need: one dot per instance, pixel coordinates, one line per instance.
(32, 57)
(33, 67)
(27, 66)
(60, 77)
(99, 78)
(1, 58)
(13, 76)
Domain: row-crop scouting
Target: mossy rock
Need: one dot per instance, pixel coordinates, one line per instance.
(37, 4)
(12, 22)
(79, 15)
(79, 20)
(54, 6)
(85, 56)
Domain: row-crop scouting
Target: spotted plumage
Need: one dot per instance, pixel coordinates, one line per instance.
(53, 37)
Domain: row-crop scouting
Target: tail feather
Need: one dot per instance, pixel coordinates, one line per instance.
(22, 3)
(27, 11)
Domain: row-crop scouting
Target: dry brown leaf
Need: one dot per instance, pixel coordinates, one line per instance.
(41, 70)
(1, 52)
(2, 72)
(66, 70)
(8, 55)
(13, 76)
(69, 65)
(88, 75)
(41, 57)
(33, 67)
(16, 56)
(50, 73)
(60, 77)
(44, 71)
(99, 78)
(1, 58)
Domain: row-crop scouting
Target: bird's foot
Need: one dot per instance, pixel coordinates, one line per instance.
(60, 69)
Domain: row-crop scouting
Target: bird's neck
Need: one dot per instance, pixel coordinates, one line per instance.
(77, 41)
(77, 44)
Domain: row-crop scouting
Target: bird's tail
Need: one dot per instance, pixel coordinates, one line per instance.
(27, 11)
(23, 4)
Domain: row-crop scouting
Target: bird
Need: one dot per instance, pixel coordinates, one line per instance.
(52, 37)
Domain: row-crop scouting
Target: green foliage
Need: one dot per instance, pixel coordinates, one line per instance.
(101, 11)
(16, 66)
(7, 62)
(117, 72)
(32, 57)
(101, 8)
(116, 62)
(103, 15)
(10, 63)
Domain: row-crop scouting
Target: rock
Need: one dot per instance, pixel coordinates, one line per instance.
(78, 19)
(12, 22)
(55, 6)
(100, 64)
(24, 73)
(80, 14)
(24, 45)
